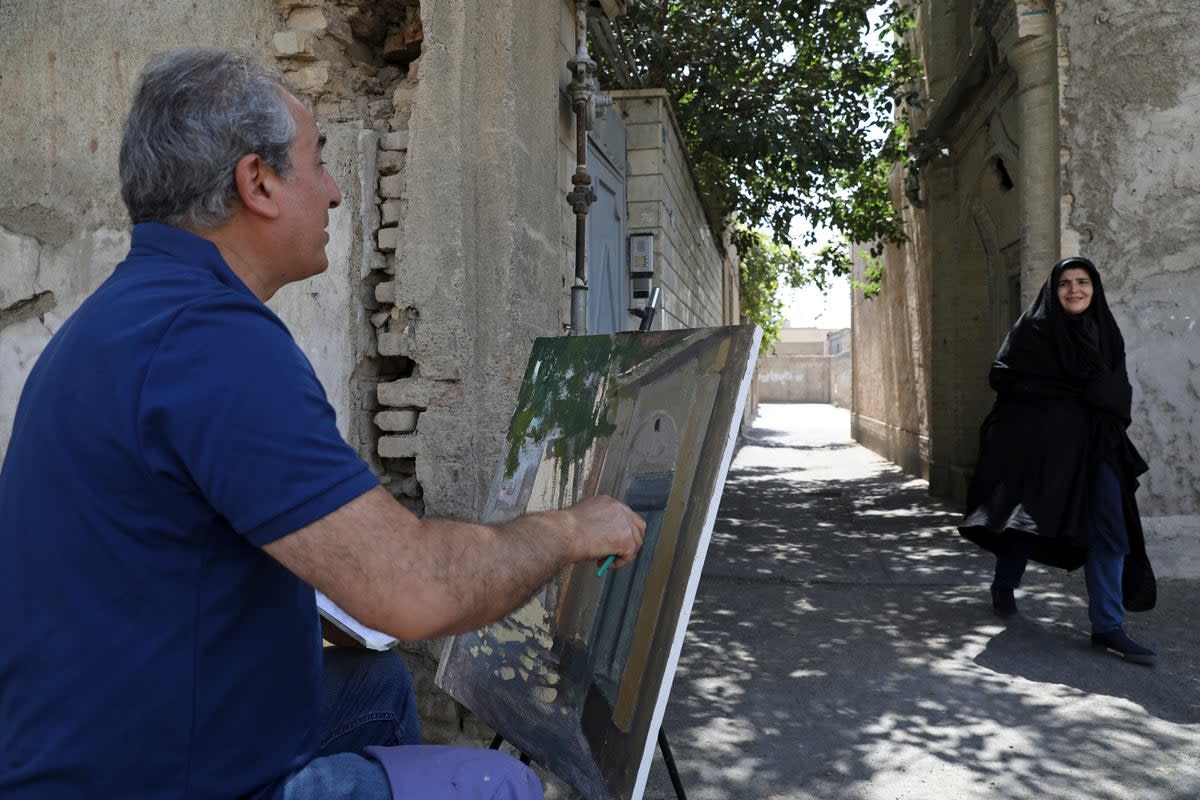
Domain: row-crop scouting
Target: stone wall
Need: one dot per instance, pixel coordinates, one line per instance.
(692, 265)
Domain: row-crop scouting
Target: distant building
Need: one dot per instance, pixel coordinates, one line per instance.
(809, 365)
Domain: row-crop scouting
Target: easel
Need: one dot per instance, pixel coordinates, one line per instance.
(663, 746)
(647, 318)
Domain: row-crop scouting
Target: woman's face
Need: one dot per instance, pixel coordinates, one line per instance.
(1075, 290)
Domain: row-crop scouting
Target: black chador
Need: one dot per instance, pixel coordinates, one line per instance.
(1062, 409)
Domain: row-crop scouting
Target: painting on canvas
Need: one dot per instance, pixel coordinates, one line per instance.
(578, 677)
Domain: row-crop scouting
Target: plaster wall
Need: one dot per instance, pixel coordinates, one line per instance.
(889, 357)
(66, 74)
(892, 331)
(983, 238)
(1129, 99)
(923, 345)
(974, 269)
(793, 379)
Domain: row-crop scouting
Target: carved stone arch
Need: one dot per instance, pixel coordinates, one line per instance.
(987, 247)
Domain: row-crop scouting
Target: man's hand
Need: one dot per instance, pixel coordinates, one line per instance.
(607, 527)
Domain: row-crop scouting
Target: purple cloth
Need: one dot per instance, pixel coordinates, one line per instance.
(439, 772)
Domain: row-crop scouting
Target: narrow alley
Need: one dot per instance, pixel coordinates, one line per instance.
(842, 648)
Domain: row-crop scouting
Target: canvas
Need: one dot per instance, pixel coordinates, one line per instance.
(578, 678)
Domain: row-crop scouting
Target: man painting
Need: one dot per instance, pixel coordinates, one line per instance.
(176, 486)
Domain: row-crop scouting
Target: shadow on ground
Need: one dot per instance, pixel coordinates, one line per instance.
(841, 646)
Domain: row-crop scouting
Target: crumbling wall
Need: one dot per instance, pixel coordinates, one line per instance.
(66, 72)
(357, 65)
(463, 257)
(421, 325)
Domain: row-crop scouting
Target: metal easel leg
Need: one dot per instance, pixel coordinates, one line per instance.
(499, 740)
(670, 762)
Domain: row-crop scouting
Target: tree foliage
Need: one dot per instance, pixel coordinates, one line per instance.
(787, 112)
(766, 266)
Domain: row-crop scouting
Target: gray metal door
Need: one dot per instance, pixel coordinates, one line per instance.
(607, 273)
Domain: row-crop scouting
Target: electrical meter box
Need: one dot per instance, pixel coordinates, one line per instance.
(641, 253)
(641, 269)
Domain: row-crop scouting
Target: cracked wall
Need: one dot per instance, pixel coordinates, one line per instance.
(1130, 97)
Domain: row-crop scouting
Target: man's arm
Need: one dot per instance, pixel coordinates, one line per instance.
(418, 578)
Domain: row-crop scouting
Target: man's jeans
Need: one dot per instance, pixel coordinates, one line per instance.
(368, 701)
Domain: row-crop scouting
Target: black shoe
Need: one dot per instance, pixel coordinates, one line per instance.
(1118, 641)
(1003, 602)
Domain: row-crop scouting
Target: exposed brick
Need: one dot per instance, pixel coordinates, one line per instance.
(392, 211)
(388, 239)
(396, 140)
(339, 27)
(403, 44)
(402, 96)
(417, 392)
(310, 79)
(380, 110)
(401, 119)
(392, 186)
(391, 342)
(307, 18)
(293, 44)
(385, 292)
(390, 162)
(401, 421)
(408, 446)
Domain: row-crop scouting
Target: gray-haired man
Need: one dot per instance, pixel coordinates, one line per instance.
(161, 532)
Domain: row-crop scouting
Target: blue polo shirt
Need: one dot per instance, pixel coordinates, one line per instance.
(148, 647)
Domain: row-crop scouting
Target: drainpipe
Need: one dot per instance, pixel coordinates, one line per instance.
(584, 99)
(1033, 54)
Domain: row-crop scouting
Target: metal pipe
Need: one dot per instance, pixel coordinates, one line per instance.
(582, 90)
(582, 181)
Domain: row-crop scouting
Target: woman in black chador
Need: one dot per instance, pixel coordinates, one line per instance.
(1056, 474)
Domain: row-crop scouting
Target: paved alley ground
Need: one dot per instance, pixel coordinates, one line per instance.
(842, 648)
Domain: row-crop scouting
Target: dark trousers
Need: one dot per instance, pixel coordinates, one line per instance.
(1107, 543)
